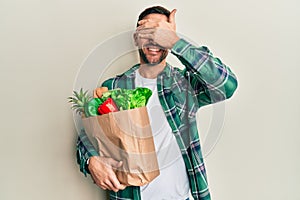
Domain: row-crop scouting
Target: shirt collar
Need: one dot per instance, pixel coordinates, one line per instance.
(131, 72)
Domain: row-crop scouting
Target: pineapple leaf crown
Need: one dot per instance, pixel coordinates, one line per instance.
(79, 100)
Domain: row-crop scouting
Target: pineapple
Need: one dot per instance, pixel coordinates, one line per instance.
(79, 100)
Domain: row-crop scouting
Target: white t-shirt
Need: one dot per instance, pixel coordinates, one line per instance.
(172, 183)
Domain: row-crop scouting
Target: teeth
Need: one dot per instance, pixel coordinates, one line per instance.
(152, 49)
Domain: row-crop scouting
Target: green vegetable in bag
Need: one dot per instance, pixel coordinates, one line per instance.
(127, 99)
(91, 109)
(124, 99)
(140, 97)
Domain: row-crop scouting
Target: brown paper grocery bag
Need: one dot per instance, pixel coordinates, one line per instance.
(126, 136)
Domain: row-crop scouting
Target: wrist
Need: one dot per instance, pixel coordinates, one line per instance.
(176, 39)
(180, 47)
(90, 160)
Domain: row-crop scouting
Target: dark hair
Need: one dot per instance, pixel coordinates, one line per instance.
(154, 10)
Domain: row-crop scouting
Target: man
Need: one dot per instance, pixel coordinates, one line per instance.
(177, 95)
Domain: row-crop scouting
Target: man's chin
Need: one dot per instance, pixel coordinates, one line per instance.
(151, 62)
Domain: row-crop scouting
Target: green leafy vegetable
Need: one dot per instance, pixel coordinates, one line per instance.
(91, 109)
(140, 97)
(127, 99)
(124, 99)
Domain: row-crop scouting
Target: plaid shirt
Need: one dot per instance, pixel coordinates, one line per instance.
(205, 80)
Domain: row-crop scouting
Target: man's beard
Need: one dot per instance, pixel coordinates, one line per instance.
(147, 62)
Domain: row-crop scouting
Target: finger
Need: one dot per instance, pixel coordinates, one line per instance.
(101, 184)
(111, 186)
(148, 25)
(119, 164)
(116, 183)
(143, 21)
(122, 186)
(145, 30)
(104, 186)
(172, 16)
(114, 163)
(148, 36)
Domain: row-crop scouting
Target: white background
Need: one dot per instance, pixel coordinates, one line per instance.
(43, 43)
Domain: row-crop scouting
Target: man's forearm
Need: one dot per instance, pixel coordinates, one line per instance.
(85, 150)
(215, 78)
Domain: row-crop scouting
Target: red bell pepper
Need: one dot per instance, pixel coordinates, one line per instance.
(107, 107)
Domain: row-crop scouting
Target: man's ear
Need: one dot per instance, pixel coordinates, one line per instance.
(135, 39)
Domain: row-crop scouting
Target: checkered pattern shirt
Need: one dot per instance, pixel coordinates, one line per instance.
(204, 80)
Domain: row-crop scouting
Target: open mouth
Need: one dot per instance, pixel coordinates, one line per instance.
(153, 48)
(152, 53)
